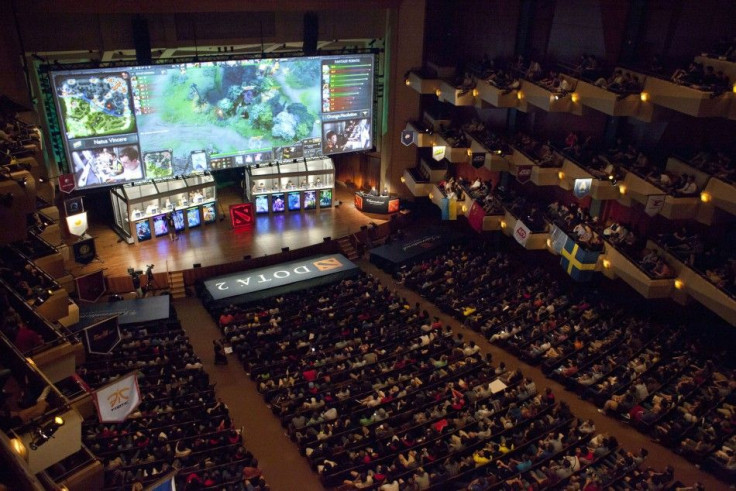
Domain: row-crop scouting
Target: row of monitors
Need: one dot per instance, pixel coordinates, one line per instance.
(188, 218)
(293, 201)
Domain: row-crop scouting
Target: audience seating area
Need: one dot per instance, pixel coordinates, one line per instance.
(654, 374)
(180, 423)
(377, 394)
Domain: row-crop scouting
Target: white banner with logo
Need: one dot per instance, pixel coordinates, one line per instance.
(117, 400)
(521, 232)
(77, 223)
(655, 202)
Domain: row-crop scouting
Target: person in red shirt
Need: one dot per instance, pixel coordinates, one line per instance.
(26, 338)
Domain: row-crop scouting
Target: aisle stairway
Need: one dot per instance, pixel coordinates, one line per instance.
(176, 285)
(347, 248)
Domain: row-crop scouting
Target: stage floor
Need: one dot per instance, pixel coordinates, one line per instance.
(218, 243)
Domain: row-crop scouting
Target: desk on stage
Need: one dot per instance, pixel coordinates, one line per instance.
(376, 204)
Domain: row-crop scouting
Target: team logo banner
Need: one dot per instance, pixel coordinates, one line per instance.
(523, 173)
(445, 208)
(77, 223)
(558, 238)
(478, 159)
(655, 202)
(117, 400)
(438, 153)
(103, 336)
(408, 137)
(521, 233)
(579, 263)
(582, 187)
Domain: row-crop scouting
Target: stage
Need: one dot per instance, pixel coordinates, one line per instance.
(390, 257)
(218, 243)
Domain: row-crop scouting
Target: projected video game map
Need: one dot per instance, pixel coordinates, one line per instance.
(131, 123)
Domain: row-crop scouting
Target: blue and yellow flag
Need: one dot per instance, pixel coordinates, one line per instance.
(579, 263)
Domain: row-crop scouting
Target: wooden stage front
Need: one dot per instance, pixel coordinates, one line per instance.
(218, 243)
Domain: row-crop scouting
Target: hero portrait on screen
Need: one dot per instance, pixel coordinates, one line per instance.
(147, 122)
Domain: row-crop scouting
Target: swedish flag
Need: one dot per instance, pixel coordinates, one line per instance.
(579, 263)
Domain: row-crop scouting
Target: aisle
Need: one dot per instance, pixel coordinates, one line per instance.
(629, 438)
(278, 457)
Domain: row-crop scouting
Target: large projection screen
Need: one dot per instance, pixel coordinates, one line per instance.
(124, 124)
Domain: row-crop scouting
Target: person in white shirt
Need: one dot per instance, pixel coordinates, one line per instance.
(132, 169)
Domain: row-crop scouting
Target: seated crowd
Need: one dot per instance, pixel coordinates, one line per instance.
(663, 381)
(179, 425)
(379, 395)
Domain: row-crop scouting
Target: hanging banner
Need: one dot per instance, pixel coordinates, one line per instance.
(102, 337)
(117, 400)
(445, 208)
(475, 217)
(452, 209)
(521, 233)
(408, 137)
(66, 183)
(438, 153)
(77, 224)
(85, 251)
(582, 187)
(655, 202)
(478, 159)
(558, 237)
(523, 173)
(90, 287)
(577, 262)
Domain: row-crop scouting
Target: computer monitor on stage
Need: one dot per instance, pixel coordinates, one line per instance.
(277, 202)
(294, 201)
(160, 227)
(310, 200)
(208, 211)
(325, 198)
(178, 216)
(261, 204)
(143, 230)
(193, 217)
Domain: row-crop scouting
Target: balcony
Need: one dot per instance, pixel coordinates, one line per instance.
(534, 241)
(494, 161)
(613, 104)
(423, 82)
(692, 283)
(601, 189)
(498, 97)
(423, 137)
(541, 176)
(457, 96)
(548, 100)
(618, 265)
(416, 182)
(686, 100)
(720, 194)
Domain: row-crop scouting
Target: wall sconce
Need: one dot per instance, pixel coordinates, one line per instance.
(520, 95)
(549, 243)
(679, 284)
(475, 92)
(606, 264)
(407, 82)
(561, 175)
(734, 88)
(575, 97)
(705, 197)
(503, 223)
(644, 96)
(438, 92)
(465, 209)
(622, 189)
(17, 445)
(403, 179)
(42, 434)
(470, 152)
(431, 196)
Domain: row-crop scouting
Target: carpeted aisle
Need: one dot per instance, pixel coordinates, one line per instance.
(278, 457)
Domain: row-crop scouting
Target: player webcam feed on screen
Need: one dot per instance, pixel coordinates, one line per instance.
(123, 124)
